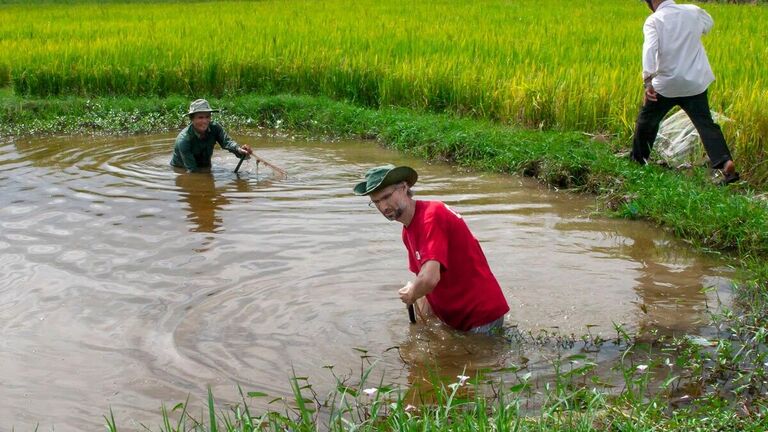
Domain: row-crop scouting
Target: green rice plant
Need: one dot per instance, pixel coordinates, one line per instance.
(538, 63)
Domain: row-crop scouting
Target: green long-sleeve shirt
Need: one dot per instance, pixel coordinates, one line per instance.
(193, 152)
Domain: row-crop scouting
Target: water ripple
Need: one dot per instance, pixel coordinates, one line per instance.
(127, 283)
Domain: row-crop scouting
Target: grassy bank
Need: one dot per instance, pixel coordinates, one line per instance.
(460, 406)
(726, 219)
(666, 385)
(729, 375)
(536, 63)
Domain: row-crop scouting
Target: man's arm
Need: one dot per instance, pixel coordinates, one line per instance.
(225, 141)
(425, 282)
(706, 21)
(650, 59)
(190, 163)
(229, 144)
(650, 51)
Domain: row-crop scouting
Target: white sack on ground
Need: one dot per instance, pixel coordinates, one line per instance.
(678, 142)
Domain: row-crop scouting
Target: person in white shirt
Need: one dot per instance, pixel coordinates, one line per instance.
(676, 72)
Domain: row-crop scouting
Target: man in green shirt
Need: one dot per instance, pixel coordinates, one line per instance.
(194, 145)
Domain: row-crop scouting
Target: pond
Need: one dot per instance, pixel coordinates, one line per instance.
(126, 284)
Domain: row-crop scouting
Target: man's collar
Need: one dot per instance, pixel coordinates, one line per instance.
(664, 4)
(194, 131)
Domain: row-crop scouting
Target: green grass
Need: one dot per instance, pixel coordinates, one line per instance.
(573, 399)
(536, 63)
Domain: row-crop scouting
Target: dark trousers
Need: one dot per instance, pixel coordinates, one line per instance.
(697, 108)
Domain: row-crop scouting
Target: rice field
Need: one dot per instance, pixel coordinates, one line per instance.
(549, 64)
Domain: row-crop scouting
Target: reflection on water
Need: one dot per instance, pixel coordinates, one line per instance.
(125, 283)
(668, 291)
(670, 283)
(204, 199)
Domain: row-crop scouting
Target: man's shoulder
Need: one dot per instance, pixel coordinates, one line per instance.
(689, 7)
(653, 19)
(688, 10)
(439, 209)
(426, 210)
(674, 8)
(215, 127)
(430, 206)
(183, 135)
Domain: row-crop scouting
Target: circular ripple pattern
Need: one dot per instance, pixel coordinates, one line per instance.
(126, 283)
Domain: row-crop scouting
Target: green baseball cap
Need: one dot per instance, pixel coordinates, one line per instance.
(383, 176)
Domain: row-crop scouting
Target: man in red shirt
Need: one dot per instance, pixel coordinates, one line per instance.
(452, 274)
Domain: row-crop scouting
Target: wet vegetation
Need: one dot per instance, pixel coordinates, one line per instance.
(575, 398)
(467, 97)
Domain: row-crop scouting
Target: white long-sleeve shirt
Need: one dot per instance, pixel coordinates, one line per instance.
(673, 56)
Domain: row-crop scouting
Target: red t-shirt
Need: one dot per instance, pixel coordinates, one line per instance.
(468, 294)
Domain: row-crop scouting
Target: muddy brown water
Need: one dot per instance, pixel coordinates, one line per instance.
(125, 284)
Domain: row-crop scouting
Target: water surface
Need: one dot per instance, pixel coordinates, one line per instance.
(125, 284)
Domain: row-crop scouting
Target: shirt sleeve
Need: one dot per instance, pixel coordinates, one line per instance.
(650, 49)
(413, 265)
(226, 142)
(706, 21)
(187, 157)
(435, 245)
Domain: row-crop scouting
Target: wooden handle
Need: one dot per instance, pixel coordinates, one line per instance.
(274, 167)
(260, 159)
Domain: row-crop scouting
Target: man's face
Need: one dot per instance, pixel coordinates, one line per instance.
(390, 201)
(200, 121)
